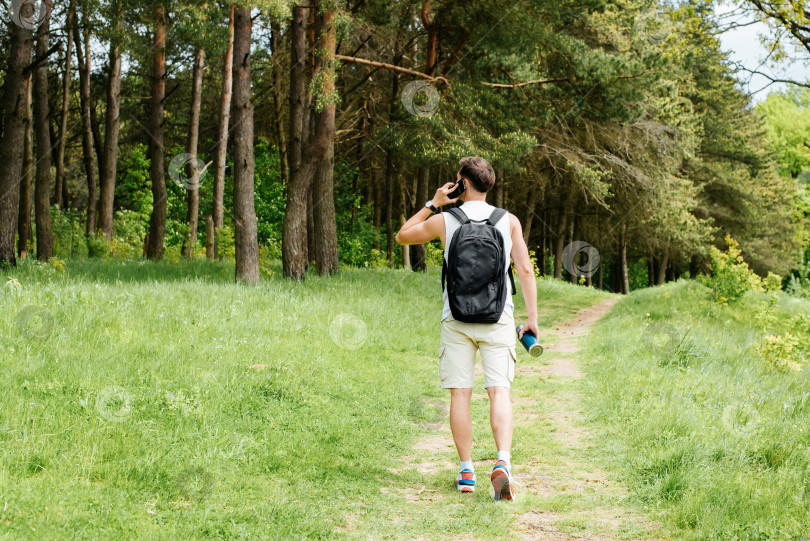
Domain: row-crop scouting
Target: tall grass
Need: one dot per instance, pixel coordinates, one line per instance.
(709, 435)
(145, 400)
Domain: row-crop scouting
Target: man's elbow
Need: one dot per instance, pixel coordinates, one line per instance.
(524, 269)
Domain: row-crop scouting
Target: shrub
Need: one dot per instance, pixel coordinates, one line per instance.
(779, 352)
(731, 277)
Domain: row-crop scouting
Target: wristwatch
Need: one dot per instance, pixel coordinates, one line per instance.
(430, 206)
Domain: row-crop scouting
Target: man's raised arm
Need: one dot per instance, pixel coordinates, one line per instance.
(422, 227)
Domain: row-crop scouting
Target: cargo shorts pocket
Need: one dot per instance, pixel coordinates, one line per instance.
(444, 370)
(510, 371)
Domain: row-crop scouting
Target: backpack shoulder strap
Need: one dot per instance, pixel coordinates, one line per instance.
(458, 214)
(496, 216)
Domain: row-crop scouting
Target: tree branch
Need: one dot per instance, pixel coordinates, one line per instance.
(33, 65)
(391, 67)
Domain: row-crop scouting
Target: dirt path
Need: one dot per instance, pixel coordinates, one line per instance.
(562, 493)
(576, 500)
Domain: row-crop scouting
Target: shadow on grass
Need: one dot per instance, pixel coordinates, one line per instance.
(131, 270)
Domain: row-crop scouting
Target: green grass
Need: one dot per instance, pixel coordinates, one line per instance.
(129, 408)
(710, 440)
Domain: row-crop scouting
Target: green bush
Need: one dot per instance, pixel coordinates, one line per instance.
(731, 277)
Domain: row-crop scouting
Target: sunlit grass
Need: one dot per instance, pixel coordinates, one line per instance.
(146, 400)
(708, 436)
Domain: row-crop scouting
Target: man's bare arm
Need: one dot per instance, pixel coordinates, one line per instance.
(420, 229)
(525, 271)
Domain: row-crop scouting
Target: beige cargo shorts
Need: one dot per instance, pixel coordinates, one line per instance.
(459, 343)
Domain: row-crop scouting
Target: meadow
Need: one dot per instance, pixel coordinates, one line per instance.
(152, 400)
(710, 437)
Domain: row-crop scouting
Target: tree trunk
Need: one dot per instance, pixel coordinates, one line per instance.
(309, 126)
(12, 143)
(325, 225)
(389, 211)
(303, 162)
(662, 269)
(209, 237)
(544, 249)
(572, 221)
(390, 174)
(220, 160)
(61, 191)
(24, 231)
(83, 59)
(157, 223)
(298, 55)
(109, 162)
(42, 183)
(281, 139)
(531, 204)
(625, 279)
(244, 214)
(377, 215)
(499, 188)
(193, 190)
(418, 253)
(310, 254)
(565, 212)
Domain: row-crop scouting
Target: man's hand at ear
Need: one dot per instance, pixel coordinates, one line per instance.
(422, 227)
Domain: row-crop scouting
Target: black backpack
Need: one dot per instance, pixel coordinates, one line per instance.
(475, 269)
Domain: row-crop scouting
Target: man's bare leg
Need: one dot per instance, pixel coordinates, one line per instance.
(461, 422)
(500, 417)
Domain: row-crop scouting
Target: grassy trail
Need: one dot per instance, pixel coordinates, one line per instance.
(575, 498)
(562, 493)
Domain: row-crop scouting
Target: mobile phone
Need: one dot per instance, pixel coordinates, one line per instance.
(461, 187)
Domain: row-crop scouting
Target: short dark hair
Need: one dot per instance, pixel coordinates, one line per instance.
(478, 172)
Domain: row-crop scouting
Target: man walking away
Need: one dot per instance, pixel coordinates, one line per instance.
(478, 313)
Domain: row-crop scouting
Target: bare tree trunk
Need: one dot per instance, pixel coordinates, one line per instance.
(389, 214)
(402, 209)
(325, 225)
(625, 279)
(193, 190)
(303, 162)
(298, 52)
(531, 204)
(541, 259)
(565, 213)
(60, 189)
(572, 222)
(109, 161)
(87, 128)
(209, 237)
(377, 217)
(24, 232)
(220, 162)
(418, 254)
(311, 221)
(11, 143)
(157, 223)
(281, 139)
(42, 183)
(662, 269)
(309, 126)
(499, 188)
(244, 214)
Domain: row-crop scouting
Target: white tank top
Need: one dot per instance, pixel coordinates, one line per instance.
(479, 210)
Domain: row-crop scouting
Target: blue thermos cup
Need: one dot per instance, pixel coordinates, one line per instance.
(530, 342)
